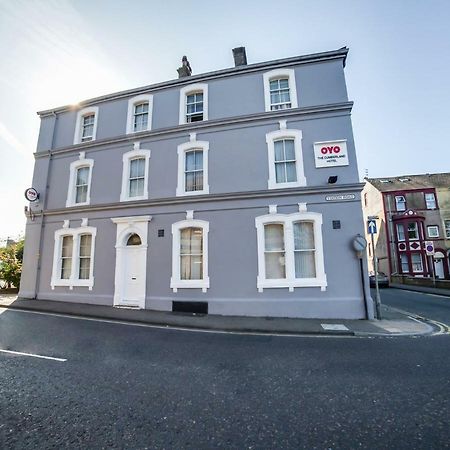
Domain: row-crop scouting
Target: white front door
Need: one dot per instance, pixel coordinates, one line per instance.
(131, 261)
(439, 268)
(133, 277)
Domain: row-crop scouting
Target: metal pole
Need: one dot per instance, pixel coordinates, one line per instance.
(377, 288)
(432, 270)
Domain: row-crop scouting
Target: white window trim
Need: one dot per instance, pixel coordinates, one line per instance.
(434, 227)
(287, 220)
(299, 166)
(400, 201)
(78, 126)
(126, 158)
(275, 74)
(191, 89)
(433, 200)
(176, 282)
(56, 279)
(446, 232)
(182, 150)
(71, 193)
(130, 117)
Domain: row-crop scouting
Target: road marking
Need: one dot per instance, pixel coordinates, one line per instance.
(52, 358)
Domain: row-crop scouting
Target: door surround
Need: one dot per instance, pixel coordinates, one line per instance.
(127, 226)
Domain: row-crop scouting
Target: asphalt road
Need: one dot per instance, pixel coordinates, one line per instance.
(125, 386)
(435, 307)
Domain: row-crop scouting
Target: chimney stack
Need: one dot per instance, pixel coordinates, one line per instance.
(240, 58)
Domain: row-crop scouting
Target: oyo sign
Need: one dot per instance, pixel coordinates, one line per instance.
(331, 153)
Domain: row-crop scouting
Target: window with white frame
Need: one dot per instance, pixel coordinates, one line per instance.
(430, 200)
(404, 263)
(140, 111)
(193, 103)
(193, 168)
(400, 203)
(86, 125)
(73, 257)
(416, 262)
(280, 90)
(80, 176)
(413, 231)
(433, 231)
(285, 158)
(400, 232)
(190, 255)
(135, 174)
(290, 251)
(447, 228)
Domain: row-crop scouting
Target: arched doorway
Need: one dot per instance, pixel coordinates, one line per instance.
(131, 261)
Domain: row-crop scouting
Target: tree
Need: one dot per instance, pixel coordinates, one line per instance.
(11, 264)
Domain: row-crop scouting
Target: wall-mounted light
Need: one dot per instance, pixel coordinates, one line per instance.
(332, 179)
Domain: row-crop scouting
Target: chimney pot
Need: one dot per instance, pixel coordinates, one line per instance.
(240, 57)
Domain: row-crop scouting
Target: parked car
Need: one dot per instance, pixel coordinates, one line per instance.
(383, 279)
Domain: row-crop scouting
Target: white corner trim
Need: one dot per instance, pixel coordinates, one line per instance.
(130, 115)
(80, 114)
(71, 191)
(191, 89)
(73, 280)
(273, 136)
(175, 281)
(182, 150)
(126, 158)
(279, 73)
(290, 282)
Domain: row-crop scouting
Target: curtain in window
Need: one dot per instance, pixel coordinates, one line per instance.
(140, 117)
(82, 184)
(66, 257)
(137, 173)
(274, 252)
(279, 94)
(285, 170)
(85, 256)
(88, 127)
(194, 171)
(305, 266)
(191, 254)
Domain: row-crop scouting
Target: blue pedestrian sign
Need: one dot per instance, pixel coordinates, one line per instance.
(372, 227)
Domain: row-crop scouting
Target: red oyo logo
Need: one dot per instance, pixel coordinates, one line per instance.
(330, 150)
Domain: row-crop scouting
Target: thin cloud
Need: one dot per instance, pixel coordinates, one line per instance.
(11, 140)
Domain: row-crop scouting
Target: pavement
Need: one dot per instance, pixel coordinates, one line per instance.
(394, 322)
(428, 290)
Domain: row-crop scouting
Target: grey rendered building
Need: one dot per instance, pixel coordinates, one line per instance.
(217, 188)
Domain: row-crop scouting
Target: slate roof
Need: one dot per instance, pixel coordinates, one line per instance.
(409, 182)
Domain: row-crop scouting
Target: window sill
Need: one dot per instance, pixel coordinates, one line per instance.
(274, 185)
(204, 191)
(291, 284)
(133, 199)
(189, 284)
(72, 205)
(73, 283)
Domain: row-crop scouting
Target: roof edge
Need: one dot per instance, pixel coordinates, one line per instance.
(302, 59)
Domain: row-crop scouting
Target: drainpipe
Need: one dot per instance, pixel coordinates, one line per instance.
(44, 207)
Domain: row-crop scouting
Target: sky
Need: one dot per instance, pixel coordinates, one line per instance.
(58, 52)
